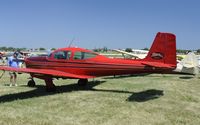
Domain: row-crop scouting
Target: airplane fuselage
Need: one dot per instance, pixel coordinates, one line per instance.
(93, 65)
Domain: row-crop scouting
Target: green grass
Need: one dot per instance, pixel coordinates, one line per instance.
(137, 100)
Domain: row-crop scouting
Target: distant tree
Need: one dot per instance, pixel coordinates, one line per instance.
(198, 51)
(181, 51)
(188, 51)
(11, 49)
(52, 49)
(97, 49)
(105, 49)
(128, 50)
(145, 48)
(3, 48)
(41, 49)
(23, 49)
(178, 51)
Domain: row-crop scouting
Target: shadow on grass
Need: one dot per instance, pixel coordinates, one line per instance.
(40, 91)
(145, 95)
(186, 77)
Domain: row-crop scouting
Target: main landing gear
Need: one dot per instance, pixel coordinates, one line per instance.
(50, 87)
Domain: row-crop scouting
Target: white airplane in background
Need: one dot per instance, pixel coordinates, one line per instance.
(199, 60)
(188, 65)
(137, 54)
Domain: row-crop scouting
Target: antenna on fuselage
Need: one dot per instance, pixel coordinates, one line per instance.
(71, 42)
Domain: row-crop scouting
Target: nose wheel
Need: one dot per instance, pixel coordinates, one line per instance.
(31, 83)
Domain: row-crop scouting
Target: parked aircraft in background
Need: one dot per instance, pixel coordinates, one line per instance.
(131, 55)
(136, 54)
(82, 64)
(188, 65)
(198, 60)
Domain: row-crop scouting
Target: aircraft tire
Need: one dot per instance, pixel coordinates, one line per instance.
(82, 82)
(31, 83)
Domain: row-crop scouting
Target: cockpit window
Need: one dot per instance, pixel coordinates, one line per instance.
(62, 55)
(83, 55)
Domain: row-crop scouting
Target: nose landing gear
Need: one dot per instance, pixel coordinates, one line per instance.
(31, 83)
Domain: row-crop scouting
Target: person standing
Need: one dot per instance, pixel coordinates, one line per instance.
(13, 62)
(1, 58)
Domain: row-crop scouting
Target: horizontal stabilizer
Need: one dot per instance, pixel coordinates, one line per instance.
(158, 64)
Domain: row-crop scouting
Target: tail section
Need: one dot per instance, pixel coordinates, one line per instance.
(163, 49)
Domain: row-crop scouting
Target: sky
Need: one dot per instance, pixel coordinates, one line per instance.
(98, 23)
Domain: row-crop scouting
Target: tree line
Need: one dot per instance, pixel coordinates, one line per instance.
(11, 49)
(22, 49)
(104, 49)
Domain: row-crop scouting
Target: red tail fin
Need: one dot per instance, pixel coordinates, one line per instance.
(163, 49)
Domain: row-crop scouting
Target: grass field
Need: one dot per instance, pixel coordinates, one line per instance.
(135, 100)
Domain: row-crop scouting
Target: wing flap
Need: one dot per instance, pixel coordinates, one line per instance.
(45, 72)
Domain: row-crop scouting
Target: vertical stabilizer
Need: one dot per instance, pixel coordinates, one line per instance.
(163, 49)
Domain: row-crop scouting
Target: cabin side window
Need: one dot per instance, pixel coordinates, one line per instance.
(83, 55)
(62, 55)
(89, 55)
(78, 55)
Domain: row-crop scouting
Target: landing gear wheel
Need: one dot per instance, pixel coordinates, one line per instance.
(31, 83)
(82, 82)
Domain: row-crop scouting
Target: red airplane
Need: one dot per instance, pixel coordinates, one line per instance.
(82, 64)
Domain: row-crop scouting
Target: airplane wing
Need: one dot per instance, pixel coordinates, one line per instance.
(51, 72)
(127, 53)
(158, 64)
